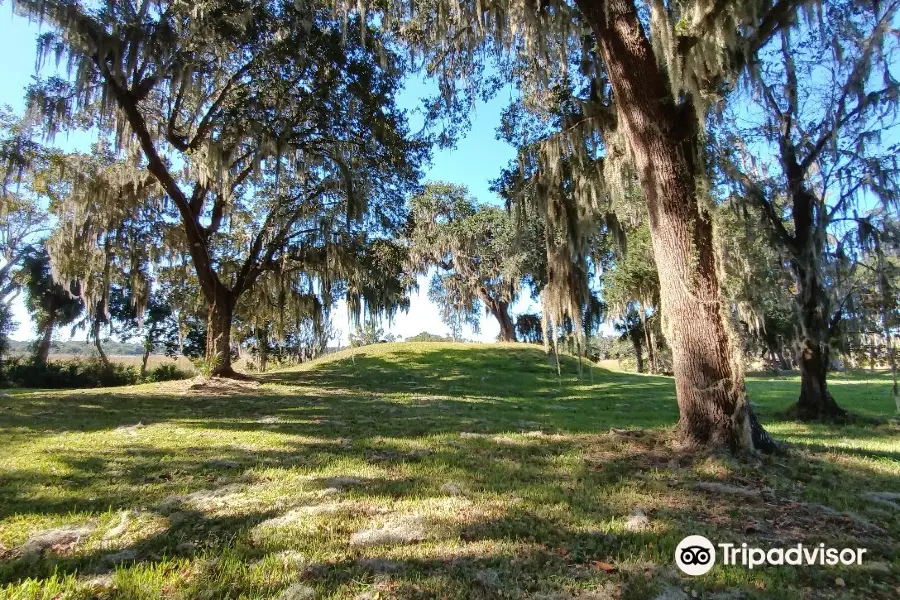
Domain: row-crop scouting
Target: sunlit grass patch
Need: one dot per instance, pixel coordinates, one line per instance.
(426, 470)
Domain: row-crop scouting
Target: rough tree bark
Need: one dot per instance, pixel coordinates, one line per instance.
(96, 327)
(816, 401)
(218, 331)
(712, 403)
(42, 351)
(638, 352)
(648, 340)
(500, 311)
(813, 305)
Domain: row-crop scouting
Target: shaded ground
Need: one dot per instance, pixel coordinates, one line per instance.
(424, 471)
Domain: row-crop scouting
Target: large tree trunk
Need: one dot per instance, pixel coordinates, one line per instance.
(42, 351)
(711, 399)
(815, 400)
(218, 332)
(500, 311)
(814, 310)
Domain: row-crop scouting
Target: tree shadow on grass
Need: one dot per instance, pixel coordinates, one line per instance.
(549, 522)
(548, 488)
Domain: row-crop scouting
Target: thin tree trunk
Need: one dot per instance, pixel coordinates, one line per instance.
(180, 333)
(638, 353)
(892, 360)
(95, 333)
(648, 341)
(786, 365)
(262, 338)
(769, 355)
(147, 347)
(662, 136)
(100, 312)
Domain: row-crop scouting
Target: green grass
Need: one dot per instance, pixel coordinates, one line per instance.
(508, 481)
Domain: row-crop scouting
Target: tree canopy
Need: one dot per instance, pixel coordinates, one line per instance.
(266, 130)
(478, 259)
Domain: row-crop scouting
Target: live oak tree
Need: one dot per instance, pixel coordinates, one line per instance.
(51, 304)
(260, 121)
(655, 68)
(756, 283)
(22, 217)
(155, 328)
(814, 158)
(475, 252)
(631, 329)
(109, 232)
(555, 212)
(631, 288)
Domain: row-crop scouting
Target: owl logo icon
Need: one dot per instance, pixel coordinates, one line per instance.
(695, 555)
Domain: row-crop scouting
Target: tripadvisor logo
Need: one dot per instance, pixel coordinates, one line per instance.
(696, 555)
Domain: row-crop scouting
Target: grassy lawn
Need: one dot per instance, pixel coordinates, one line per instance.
(429, 471)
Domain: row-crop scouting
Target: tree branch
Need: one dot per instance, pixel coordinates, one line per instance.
(207, 120)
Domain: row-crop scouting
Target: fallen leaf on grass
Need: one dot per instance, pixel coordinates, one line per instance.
(603, 566)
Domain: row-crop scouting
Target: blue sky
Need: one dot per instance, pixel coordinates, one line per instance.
(477, 159)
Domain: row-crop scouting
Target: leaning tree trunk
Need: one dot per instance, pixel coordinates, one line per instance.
(500, 311)
(648, 341)
(96, 326)
(712, 402)
(146, 358)
(42, 351)
(218, 332)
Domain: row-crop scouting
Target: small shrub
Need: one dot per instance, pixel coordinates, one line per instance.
(171, 372)
(82, 373)
(250, 367)
(77, 373)
(206, 367)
